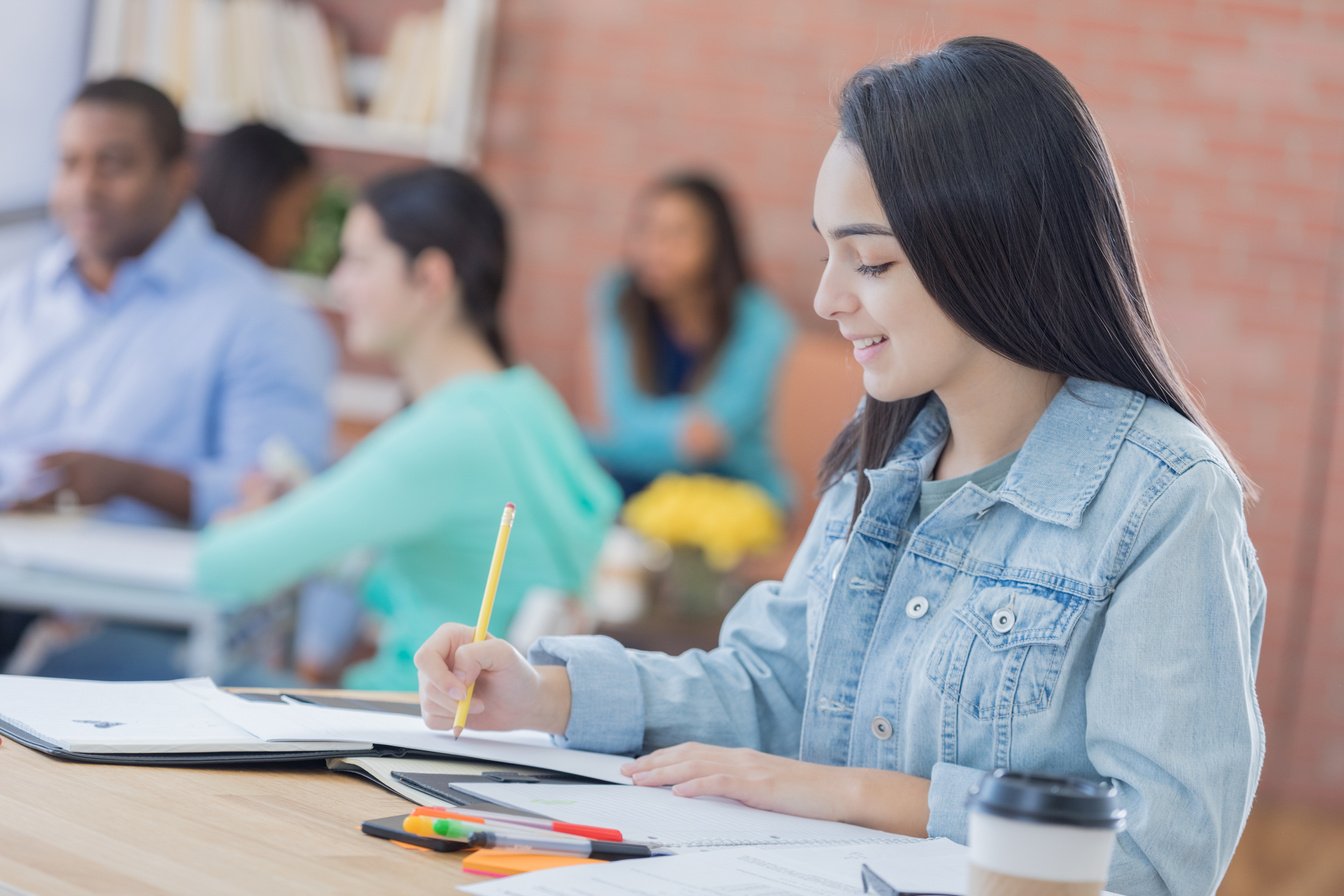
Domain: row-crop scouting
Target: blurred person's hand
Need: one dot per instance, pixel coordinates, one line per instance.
(255, 492)
(702, 438)
(80, 477)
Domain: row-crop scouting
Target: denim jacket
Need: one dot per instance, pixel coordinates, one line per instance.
(1100, 614)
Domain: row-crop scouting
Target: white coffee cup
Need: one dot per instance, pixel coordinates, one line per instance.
(1041, 835)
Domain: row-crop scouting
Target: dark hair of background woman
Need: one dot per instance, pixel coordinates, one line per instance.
(728, 272)
(443, 208)
(999, 189)
(242, 172)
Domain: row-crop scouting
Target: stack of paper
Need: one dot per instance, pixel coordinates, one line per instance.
(912, 866)
(174, 723)
(657, 816)
(779, 872)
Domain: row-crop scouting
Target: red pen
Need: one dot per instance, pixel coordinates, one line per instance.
(560, 827)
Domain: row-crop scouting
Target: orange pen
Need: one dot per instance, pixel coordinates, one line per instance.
(610, 835)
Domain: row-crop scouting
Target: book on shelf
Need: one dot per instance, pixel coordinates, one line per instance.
(227, 61)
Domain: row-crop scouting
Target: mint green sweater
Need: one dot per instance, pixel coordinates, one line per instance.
(425, 492)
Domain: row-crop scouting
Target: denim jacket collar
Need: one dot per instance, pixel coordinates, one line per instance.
(1064, 461)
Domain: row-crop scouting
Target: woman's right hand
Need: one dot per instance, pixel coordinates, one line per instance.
(510, 692)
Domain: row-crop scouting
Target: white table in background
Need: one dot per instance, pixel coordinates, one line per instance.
(111, 571)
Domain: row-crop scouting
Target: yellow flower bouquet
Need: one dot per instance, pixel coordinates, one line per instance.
(726, 519)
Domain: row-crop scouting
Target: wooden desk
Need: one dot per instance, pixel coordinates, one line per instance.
(81, 828)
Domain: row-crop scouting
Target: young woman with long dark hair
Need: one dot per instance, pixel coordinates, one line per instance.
(1031, 550)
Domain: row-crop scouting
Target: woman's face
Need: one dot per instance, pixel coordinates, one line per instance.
(670, 244)
(286, 224)
(905, 343)
(373, 284)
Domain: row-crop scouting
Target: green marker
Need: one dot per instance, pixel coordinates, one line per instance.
(456, 830)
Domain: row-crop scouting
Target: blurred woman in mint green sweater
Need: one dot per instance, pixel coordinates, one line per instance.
(422, 273)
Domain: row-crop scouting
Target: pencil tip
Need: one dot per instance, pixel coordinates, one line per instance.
(457, 732)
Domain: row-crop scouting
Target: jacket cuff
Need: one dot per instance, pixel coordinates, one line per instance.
(606, 713)
(950, 785)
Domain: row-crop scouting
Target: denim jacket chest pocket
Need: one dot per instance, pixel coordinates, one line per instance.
(1001, 652)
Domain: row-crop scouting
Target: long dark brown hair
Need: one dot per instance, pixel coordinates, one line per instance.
(728, 273)
(1000, 190)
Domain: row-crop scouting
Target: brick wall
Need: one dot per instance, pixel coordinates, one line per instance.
(1227, 119)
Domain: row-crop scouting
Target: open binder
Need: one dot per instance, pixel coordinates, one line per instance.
(192, 722)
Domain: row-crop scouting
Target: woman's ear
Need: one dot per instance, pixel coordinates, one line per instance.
(433, 272)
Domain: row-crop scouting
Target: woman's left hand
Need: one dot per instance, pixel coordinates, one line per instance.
(874, 798)
(756, 779)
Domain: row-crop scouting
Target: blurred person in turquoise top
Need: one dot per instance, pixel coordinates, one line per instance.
(421, 278)
(688, 348)
(1095, 609)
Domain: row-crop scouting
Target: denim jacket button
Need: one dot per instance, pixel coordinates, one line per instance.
(835, 572)
(881, 728)
(1004, 620)
(917, 607)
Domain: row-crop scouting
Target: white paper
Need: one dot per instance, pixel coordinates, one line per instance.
(118, 553)
(657, 815)
(380, 768)
(294, 723)
(127, 717)
(758, 871)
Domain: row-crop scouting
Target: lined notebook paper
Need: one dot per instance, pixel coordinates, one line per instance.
(656, 815)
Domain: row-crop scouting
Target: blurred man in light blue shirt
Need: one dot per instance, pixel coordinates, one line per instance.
(144, 359)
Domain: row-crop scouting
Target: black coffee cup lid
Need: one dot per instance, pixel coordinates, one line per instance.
(1049, 799)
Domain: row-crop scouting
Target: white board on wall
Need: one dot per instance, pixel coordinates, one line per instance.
(42, 54)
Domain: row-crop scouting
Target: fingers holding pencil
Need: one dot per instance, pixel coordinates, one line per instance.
(456, 660)
(507, 689)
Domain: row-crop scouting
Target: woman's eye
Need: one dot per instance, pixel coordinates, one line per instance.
(873, 270)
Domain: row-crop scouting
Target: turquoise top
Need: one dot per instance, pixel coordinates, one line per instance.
(642, 434)
(426, 492)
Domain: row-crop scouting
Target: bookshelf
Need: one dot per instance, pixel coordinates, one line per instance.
(420, 95)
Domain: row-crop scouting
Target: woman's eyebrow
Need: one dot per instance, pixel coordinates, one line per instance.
(848, 230)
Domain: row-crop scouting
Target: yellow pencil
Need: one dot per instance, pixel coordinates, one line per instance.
(487, 605)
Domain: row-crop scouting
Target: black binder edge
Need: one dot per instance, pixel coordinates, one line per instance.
(32, 741)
